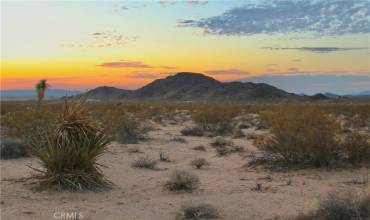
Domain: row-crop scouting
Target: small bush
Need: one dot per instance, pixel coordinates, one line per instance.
(238, 133)
(341, 206)
(179, 139)
(215, 119)
(220, 141)
(357, 147)
(224, 146)
(124, 127)
(193, 131)
(144, 162)
(198, 211)
(164, 157)
(11, 149)
(199, 163)
(200, 148)
(181, 180)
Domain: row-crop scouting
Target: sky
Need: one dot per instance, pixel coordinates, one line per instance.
(302, 46)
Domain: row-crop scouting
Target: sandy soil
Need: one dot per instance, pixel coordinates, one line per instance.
(139, 193)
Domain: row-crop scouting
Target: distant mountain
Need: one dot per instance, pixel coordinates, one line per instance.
(106, 93)
(319, 96)
(187, 86)
(365, 93)
(30, 94)
(332, 95)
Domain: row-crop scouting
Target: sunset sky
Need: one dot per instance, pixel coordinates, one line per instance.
(301, 46)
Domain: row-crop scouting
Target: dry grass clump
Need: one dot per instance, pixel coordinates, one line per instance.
(249, 120)
(357, 147)
(302, 136)
(198, 211)
(224, 146)
(341, 206)
(220, 141)
(12, 149)
(181, 180)
(216, 119)
(238, 133)
(193, 131)
(28, 124)
(200, 148)
(199, 163)
(124, 126)
(179, 139)
(70, 153)
(144, 162)
(164, 157)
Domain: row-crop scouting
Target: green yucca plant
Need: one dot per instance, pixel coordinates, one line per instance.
(70, 152)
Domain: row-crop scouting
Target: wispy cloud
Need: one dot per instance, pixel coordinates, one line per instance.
(197, 2)
(132, 5)
(125, 64)
(167, 67)
(226, 72)
(103, 39)
(132, 64)
(189, 2)
(317, 49)
(325, 17)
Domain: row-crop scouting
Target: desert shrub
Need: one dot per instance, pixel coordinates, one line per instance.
(11, 149)
(144, 162)
(28, 124)
(129, 130)
(357, 147)
(164, 157)
(198, 211)
(341, 206)
(193, 131)
(181, 180)
(220, 141)
(69, 154)
(199, 163)
(248, 121)
(224, 146)
(200, 148)
(179, 139)
(124, 126)
(216, 119)
(238, 133)
(302, 135)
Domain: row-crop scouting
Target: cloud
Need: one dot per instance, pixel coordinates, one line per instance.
(132, 5)
(195, 2)
(125, 64)
(189, 2)
(103, 39)
(317, 49)
(167, 67)
(321, 17)
(132, 64)
(226, 72)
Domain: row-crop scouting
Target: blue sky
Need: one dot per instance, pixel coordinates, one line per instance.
(127, 44)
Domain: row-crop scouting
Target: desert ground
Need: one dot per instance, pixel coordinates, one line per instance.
(226, 183)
